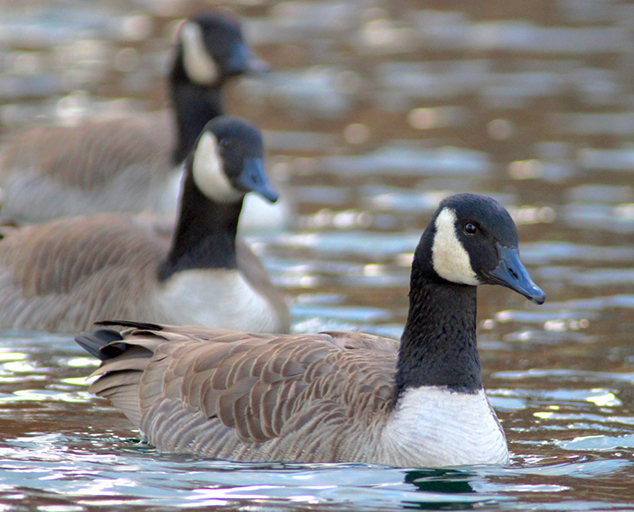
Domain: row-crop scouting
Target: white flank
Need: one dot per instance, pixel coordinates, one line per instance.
(433, 426)
(199, 65)
(209, 173)
(450, 259)
(215, 298)
(167, 202)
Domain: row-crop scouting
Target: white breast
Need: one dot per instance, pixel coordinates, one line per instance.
(215, 298)
(433, 426)
(166, 203)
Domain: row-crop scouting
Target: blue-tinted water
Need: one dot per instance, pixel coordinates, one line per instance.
(570, 431)
(372, 114)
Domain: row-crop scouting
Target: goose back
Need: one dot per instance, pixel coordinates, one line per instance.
(114, 165)
(325, 397)
(66, 275)
(61, 276)
(226, 394)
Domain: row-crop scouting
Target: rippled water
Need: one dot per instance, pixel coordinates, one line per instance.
(373, 112)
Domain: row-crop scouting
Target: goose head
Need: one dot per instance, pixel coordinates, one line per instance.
(473, 240)
(212, 50)
(228, 161)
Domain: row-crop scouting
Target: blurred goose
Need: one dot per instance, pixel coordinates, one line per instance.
(125, 164)
(64, 275)
(333, 396)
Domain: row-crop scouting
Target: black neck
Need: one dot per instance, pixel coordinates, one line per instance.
(194, 107)
(438, 346)
(205, 236)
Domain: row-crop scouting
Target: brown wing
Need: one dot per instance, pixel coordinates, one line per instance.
(252, 396)
(88, 155)
(115, 165)
(67, 274)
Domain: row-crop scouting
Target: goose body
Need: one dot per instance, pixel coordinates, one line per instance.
(67, 274)
(99, 166)
(333, 396)
(132, 164)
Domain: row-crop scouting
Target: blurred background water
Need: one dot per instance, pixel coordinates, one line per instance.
(373, 111)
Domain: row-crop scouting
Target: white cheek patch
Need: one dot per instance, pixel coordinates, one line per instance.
(199, 65)
(209, 173)
(450, 259)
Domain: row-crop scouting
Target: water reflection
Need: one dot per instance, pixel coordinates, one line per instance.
(372, 114)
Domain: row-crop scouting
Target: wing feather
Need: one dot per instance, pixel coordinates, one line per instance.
(68, 274)
(226, 394)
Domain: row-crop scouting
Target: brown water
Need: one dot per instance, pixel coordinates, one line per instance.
(372, 113)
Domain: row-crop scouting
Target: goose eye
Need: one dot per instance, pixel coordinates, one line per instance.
(470, 228)
(225, 143)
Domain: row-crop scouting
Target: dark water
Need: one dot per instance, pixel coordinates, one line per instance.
(373, 112)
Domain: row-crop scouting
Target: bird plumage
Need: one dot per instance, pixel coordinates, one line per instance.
(66, 274)
(130, 164)
(332, 396)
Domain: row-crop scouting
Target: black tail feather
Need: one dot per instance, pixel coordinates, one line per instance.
(101, 343)
(144, 326)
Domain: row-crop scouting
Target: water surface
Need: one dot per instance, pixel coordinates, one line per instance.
(372, 114)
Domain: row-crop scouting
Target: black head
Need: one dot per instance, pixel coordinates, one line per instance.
(228, 161)
(473, 240)
(211, 49)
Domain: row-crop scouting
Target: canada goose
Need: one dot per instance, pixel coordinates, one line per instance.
(64, 275)
(125, 164)
(333, 396)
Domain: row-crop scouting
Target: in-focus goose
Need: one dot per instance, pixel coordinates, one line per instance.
(131, 164)
(333, 396)
(64, 275)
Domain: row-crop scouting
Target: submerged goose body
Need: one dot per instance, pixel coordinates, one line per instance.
(132, 164)
(333, 396)
(67, 274)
